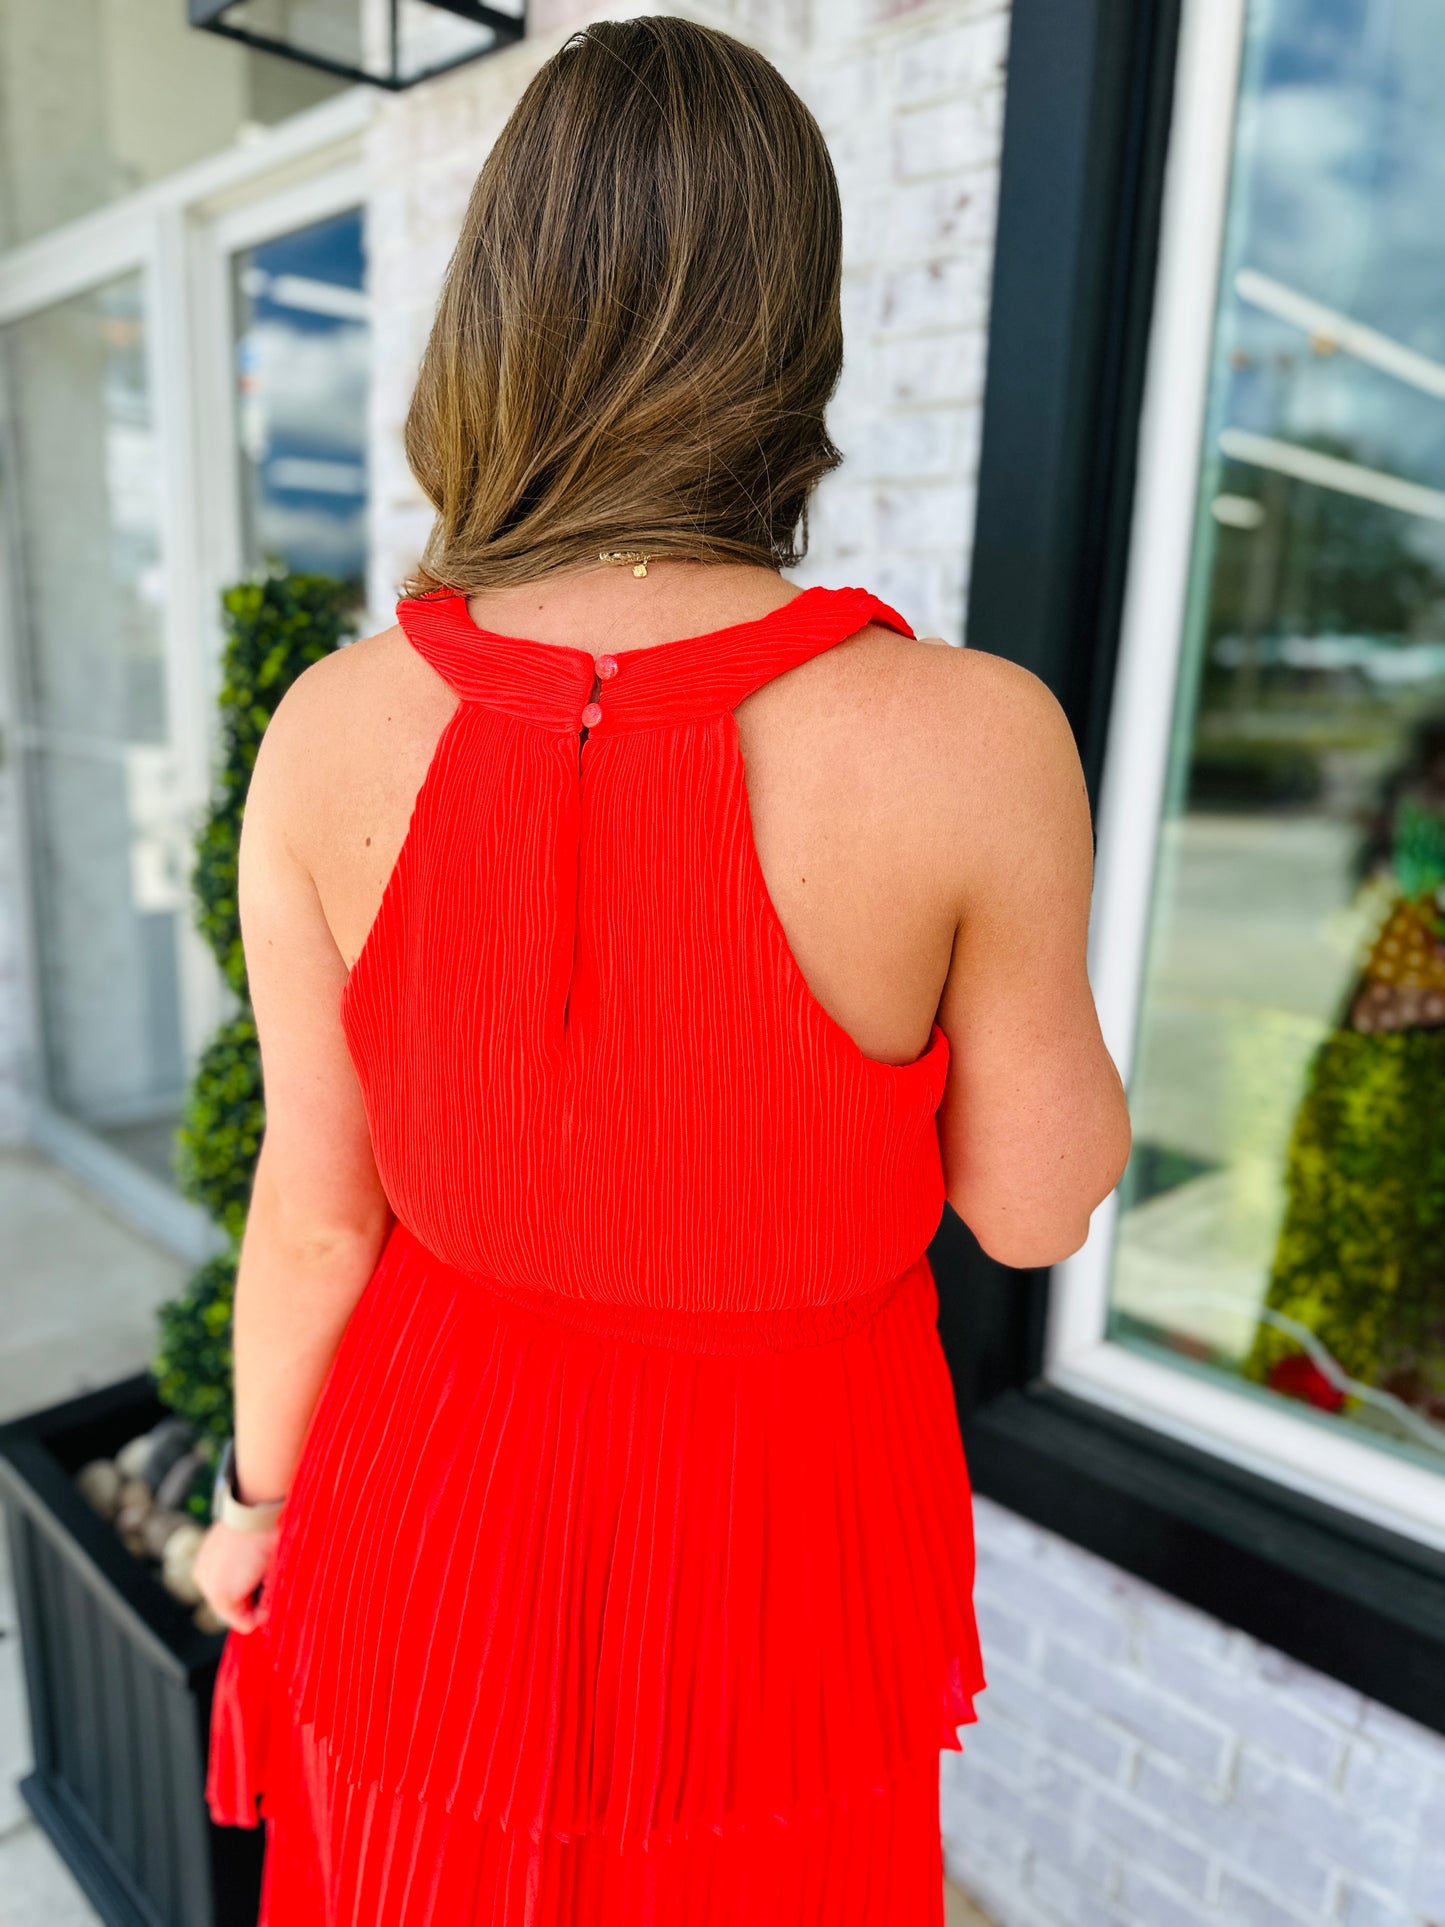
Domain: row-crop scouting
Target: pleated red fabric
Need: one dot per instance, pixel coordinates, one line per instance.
(626, 1577)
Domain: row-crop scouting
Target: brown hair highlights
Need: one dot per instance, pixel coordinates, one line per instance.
(640, 330)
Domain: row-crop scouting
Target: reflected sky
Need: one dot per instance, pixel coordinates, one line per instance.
(1338, 195)
(303, 356)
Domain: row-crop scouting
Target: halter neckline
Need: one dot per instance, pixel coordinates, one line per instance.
(457, 609)
(685, 679)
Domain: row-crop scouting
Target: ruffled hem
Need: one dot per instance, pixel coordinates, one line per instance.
(338, 1855)
(584, 1591)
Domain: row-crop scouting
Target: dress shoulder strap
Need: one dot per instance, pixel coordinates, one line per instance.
(702, 676)
(684, 680)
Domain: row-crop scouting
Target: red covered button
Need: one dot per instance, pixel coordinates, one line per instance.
(592, 714)
(606, 666)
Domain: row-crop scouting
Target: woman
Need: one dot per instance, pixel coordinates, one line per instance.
(642, 950)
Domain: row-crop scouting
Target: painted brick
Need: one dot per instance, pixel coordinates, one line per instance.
(899, 447)
(932, 369)
(1425, 1890)
(938, 216)
(1392, 1729)
(1371, 1848)
(1076, 1732)
(1146, 1898)
(1092, 1913)
(1139, 1708)
(1359, 1908)
(1288, 1680)
(1246, 1906)
(1008, 1532)
(1143, 1839)
(1276, 1858)
(1032, 1592)
(963, 132)
(1227, 1694)
(951, 293)
(967, 57)
(1006, 1635)
(1386, 1784)
(1060, 1888)
(923, 518)
(1000, 1745)
(979, 1839)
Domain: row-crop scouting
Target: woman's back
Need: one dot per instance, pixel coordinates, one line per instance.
(920, 833)
(650, 1356)
(847, 806)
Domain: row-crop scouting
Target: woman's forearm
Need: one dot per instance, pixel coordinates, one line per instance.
(295, 1292)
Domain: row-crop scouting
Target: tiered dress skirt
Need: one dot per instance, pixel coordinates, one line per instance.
(586, 1614)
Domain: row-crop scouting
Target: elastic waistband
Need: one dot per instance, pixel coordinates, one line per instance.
(725, 1333)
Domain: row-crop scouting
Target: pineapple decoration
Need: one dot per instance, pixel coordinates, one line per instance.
(1360, 1262)
(1404, 977)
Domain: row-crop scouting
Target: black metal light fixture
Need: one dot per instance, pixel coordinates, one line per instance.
(390, 43)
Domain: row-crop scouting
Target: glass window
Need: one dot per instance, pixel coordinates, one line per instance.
(100, 97)
(107, 835)
(1282, 1223)
(303, 358)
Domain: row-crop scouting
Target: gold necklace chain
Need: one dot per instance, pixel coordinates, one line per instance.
(636, 557)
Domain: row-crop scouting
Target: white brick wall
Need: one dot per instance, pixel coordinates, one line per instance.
(1137, 1764)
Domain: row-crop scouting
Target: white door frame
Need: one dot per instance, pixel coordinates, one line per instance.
(179, 235)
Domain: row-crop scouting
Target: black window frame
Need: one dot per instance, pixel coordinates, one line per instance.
(1090, 90)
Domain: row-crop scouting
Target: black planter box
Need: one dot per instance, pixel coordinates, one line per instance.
(119, 1680)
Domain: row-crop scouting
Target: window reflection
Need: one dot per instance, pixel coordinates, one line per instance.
(303, 360)
(108, 842)
(1284, 1212)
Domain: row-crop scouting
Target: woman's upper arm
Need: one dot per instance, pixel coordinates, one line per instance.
(1033, 1126)
(317, 1177)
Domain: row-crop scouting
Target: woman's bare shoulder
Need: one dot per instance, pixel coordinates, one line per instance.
(973, 717)
(373, 705)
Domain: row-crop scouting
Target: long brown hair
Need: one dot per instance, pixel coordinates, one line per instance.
(640, 330)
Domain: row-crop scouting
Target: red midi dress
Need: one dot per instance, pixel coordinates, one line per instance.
(626, 1576)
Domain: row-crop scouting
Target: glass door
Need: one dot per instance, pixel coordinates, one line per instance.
(106, 828)
(183, 403)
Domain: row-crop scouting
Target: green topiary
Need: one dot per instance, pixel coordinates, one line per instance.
(1361, 1254)
(193, 1365)
(276, 626)
(1358, 1280)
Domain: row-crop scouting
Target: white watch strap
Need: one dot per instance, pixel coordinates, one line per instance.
(249, 1518)
(228, 1510)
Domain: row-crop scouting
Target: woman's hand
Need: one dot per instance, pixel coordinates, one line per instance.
(229, 1568)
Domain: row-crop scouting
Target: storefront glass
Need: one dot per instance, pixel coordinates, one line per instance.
(107, 834)
(302, 364)
(1283, 1216)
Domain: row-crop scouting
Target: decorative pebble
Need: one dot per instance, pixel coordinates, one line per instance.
(178, 1563)
(130, 1524)
(135, 1492)
(158, 1525)
(131, 1458)
(168, 1441)
(100, 1486)
(174, 1488)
